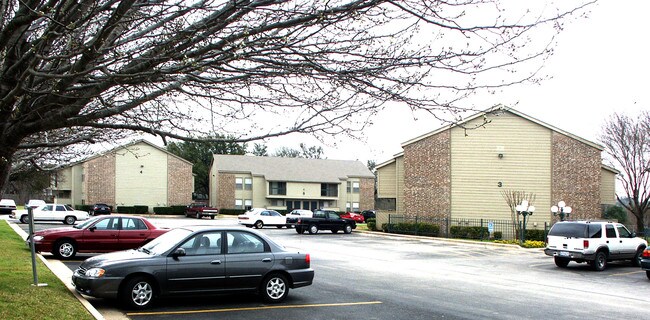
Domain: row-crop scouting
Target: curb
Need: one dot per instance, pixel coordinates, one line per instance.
(444, 240)
(63, 273)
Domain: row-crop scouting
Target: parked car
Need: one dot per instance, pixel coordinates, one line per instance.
(196, 261)
(645, 262)
(51, 212)
(200, 210)
(369, 214)
(7, 206)
(100, 234)
(100, 208)
(34, 203)
(325, 220)
(594, 242)
(260, 217)
(292, 217)
(356, 216)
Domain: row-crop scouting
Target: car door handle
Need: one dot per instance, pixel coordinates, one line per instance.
(266, 260)
(215, 262)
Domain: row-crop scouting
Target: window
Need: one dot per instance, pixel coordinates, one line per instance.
(349, 187)
(277, 188)
(239, 204)
(107, 224)
(355, 206)
(355, 187)
(329, 190)
(347, 206)
(623, 232)
(248, 204)
(203, 244)
(133, 224)
(595, 231)
(248, 184)
(244, 242)
(610, 232)
(239, 183)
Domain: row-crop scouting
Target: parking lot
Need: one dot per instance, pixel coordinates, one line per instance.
(377, 276)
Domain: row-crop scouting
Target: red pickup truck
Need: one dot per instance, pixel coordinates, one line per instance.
(200, 210)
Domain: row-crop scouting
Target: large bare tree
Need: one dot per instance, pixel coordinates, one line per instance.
(84, 71)
(627, 143)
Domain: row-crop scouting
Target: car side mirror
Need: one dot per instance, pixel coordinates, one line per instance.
(633, 235)
(92, 229)
(179, 252)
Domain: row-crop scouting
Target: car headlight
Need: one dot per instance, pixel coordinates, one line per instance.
(95, 272)
(38, 238)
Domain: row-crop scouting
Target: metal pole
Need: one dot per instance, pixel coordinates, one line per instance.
(32, 248)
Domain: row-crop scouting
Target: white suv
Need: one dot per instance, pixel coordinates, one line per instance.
(594, 242)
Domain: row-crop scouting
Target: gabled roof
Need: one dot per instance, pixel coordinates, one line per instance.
(513, 111)
(130, 144)
(293, 169)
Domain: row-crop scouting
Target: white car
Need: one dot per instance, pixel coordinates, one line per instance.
(7, 206)
(260, 217)
(293, 216)
(51, 212)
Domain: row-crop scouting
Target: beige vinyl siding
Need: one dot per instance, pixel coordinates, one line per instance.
(77, 185)
(244, 194)
(259, 193)
(607, 187)
(213, 195)
(142, 176)
(399, 171)
(387, 181)
(303, 190)
(477, 168)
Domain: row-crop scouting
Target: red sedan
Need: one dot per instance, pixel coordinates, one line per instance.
(101, 234)
(356, 216)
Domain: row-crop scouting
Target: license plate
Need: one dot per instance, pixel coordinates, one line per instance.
(563, 254)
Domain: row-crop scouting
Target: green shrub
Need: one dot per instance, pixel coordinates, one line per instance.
(469, 232)
(126, 209)
(139, 209)
(616, 213)
(84, 207)
(232, 212)
(371, 224)
(420, 228)
(498, 235)
(173, 210)
(535, 235)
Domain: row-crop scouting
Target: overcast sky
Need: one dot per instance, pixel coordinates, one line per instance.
(599, 67)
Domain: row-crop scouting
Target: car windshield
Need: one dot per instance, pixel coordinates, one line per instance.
(86, 223)
(166, 241)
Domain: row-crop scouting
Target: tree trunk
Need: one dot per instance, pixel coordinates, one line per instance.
(5, 169)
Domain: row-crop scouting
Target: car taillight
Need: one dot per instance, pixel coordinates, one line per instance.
(646, 253)
(308, 259)
(585, 244)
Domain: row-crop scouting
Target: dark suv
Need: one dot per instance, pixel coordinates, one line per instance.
(100, 208)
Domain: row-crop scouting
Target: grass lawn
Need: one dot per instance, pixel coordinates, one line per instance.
(19, 298)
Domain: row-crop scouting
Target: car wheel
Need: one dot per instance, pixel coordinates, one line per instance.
(64, 249)
(300, 230)
(647, 274)
(561, 262)
(279, 227)
(335, 230)
(348, 229)
(212, 217)
(198, 215)
(24, 218)
(313, 229)
(138, 293)
(274, 288)
(637, 257)
(600, 262)
(69, 220)
(259, 224)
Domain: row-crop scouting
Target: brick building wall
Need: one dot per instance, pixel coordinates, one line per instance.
(427, 176)
(179, 181)
(576, 176)
(99, 180)
(226, 191)
(367, 194)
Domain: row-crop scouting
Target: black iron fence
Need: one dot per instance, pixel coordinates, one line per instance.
(478, 229)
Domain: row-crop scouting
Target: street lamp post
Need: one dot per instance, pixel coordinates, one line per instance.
(561, 210)
(524, 210)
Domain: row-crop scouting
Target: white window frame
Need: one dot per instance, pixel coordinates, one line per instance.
(248, 184)
(239, 183)
(239, 204)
